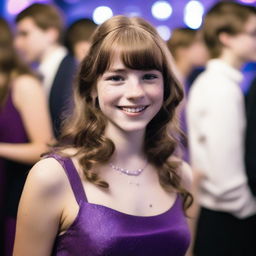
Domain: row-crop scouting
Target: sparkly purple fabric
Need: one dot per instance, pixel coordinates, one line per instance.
(102, 231)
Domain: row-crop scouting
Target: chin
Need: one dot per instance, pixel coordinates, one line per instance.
(131, 127)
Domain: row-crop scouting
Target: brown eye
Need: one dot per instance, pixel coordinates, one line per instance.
(115, 78)
(149, 76)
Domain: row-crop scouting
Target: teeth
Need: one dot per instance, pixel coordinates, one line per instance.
(133, 110)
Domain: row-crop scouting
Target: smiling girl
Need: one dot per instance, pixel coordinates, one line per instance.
(112, 186)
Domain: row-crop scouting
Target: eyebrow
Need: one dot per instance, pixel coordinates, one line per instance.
(118, 70)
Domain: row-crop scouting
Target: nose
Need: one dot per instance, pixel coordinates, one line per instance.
(134, 89)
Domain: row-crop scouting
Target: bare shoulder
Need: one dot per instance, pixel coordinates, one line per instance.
(47, 177)
(40, 208)
(25, 82)
(26, 88)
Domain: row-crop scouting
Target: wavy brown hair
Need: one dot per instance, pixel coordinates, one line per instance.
(141, 48)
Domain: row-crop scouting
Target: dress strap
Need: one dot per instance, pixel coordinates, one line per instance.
(73, 176)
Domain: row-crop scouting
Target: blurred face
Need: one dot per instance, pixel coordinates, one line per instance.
(31, 41)
(80, 49)
(243, 44)
(197, 54)
(129, 98)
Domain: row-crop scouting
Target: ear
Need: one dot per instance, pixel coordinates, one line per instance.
(53, 34)
(94, 95)
(225, 38)
(94, 92)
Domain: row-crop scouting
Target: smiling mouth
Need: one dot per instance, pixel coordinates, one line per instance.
(136, 109)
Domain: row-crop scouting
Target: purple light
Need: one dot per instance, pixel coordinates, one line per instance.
(132, 10)
(248, 1)
(14, 6)
(71, 1)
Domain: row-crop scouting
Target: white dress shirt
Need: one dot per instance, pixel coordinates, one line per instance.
(216, 124)
(49, 67)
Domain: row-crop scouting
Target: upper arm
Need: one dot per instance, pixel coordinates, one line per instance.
(30, 100)
(40, 210)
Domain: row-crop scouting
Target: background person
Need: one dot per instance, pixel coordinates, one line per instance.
(25, 129)
(216, 122)
(38, 39)
(78, 37)
(189, 52)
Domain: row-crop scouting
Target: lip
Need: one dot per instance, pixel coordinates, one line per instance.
(133, 110)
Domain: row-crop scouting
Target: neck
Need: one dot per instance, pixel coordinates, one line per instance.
(228, 57)
(184, 68)
(128, 147)
(48, 51)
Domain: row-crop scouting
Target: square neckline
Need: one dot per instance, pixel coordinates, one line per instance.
(71, 170)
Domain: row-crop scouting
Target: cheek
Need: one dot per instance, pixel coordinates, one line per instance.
(20, 42)
(157, 94)
(106, 96)
(246, 51)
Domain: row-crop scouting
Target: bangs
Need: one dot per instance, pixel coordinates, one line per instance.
(136, 48)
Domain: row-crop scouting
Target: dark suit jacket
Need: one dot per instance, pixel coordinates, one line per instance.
(250, 137)
(61, 93)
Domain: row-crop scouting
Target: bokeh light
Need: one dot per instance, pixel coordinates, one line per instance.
(101, 14)
(193, 14)
(164, 32)
(161, 10)
(13, 7)
(248, 1)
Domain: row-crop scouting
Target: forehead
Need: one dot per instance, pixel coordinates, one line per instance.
(251, 23)
(116, 62)
(27, 24)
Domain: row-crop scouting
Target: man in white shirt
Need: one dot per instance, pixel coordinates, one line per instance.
(38, 39)
(216, 124)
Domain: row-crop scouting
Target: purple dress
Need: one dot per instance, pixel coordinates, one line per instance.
(12, 174)
(101, 231)
(12, 130)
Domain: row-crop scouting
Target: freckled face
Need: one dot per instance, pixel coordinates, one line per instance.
(130, 98)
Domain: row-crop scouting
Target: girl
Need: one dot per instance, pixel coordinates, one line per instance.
(121, 192)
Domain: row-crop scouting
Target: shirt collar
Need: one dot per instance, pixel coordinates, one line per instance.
(51, 59)
(222, 67)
